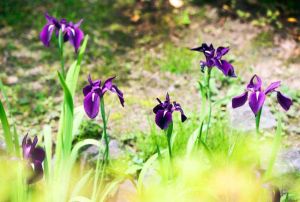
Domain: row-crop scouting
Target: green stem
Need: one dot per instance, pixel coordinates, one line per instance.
(106, 152)
(203, 111)
(257, 120)
(169, 136)
(105, 136)
(209, 101)
(61, 53)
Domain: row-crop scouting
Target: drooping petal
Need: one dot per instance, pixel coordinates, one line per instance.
(116, 90)
(163, 119)
(221, 51)
(225, 67)
(256, 101)
(76, 36)
(46, 33)
(177, 107)
(87, 89)
(157, 108)
(272, 87)
(255, 83)
(284, 101)
(38, 154)
(239, 100)
(91, 104)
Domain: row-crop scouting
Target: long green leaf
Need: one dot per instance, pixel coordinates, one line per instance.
(145, 169)
(68, 115)
(78, 117)
(112, 186)
(48, 149)
(6, 129)
(73, 72)
(81, 144)
(81, 183)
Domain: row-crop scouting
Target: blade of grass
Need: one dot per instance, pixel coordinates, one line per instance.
(276, 146)
(6, 130)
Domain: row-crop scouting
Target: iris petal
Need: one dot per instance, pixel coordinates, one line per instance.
(115, 89)
(255, 83)
(221, 51)
(239, 100)
(226, 68)
(157, 108)
(178, 108)
(76, 36)
(38, 154)
(91, 104)
(256, 101)
(272, 87)
(284, 101)
(163, 119)
(46, 33)
(87, 89)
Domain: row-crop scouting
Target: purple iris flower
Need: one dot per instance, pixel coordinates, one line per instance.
(214, 58)
(35, 156)
(93, 92)
(257, 95)
(164, 112)
(71, 32)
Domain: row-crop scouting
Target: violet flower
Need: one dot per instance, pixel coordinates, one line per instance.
(257, 95)
(214, 59)
(35, 156)
(93, 92)
(71, 32)
(164, 112)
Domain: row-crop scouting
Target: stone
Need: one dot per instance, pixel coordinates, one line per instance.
(288, 161)
(242, 118)
(92, 151)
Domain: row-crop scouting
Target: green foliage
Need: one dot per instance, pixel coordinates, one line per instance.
(175, 59)
(263, 39)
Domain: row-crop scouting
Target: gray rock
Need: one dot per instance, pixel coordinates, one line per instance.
(242, 118)
(288, 161)
(91, 153)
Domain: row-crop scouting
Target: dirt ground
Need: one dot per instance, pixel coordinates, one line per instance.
(29, 71)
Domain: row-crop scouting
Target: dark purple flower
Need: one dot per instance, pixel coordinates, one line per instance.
(35, 156)
(71, 32)
(164, 112)
(93, 92)
(257, 96)
(214, 59)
